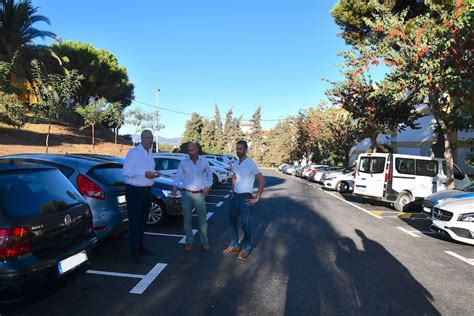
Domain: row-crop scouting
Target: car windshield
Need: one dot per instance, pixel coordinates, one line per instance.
(468, 188)
(36, 192)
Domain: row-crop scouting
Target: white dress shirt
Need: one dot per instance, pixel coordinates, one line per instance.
(193, 176)
(245, 173)
(137, 162)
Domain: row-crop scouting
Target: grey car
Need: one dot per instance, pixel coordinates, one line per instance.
(99, 181)
(163, 205)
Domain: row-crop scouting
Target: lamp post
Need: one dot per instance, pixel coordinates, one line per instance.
(157, 92)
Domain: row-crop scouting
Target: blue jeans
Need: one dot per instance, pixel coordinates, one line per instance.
(197, 201)
(138, 203)
(238, 207)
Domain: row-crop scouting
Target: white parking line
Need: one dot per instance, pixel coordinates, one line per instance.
(352, 204)
(208, 215)
(221, 196)
(148, 279)
(467, 260)
(210, 203)
(407, 232)
(117, 274)
(219, 204)
(226, 196)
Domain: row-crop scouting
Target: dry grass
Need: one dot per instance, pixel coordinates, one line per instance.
(64, 138)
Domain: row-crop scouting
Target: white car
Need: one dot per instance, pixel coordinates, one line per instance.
(307, 174)
(455, 218)
(318, 175)
(342, 182)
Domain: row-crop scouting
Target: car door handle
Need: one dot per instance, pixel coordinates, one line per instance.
(362, 178)
(445, 183)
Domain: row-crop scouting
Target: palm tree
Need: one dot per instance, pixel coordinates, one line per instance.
(17, 36)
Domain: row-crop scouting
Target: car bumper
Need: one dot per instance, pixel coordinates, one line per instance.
(459, 231)
(110, 222)
(173, 206)
(19, 286)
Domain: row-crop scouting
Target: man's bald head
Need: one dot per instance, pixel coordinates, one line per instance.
(193, 150)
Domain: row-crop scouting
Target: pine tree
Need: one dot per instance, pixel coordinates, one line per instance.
(256, 133)
(193, 129)
(218, 136)
(228, 135)
(208, 133)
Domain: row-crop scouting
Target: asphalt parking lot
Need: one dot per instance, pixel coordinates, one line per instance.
(315, 252)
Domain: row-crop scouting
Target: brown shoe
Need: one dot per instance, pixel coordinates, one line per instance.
(188, 247)
(243, 255)
(205, 247)
(230, 250)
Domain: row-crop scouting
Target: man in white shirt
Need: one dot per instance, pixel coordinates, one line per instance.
(242, 202)
(139, 172)
(194, 176)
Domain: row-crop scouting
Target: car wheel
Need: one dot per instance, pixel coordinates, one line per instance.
(342, 187)
(156, 213)
(403, 199)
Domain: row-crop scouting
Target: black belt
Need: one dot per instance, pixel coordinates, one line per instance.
(191, 191)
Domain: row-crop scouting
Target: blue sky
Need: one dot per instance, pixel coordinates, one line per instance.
(233, 53)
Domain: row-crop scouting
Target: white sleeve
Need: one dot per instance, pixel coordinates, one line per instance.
(254, 168)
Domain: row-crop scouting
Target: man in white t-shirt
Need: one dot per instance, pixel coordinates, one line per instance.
(242, 202)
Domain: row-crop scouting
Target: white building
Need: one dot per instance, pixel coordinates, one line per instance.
(419, 142)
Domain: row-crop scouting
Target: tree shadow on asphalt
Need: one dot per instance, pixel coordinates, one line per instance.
(299, 266)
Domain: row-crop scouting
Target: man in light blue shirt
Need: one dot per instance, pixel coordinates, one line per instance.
(242, 202)
(194, 176)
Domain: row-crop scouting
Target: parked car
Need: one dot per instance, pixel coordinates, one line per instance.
(316, 171)
(309, 172)
(447, 195)
(341, 182)
(220, 158)
(401, 179)
(318, 175)
(329, 174)
(46, 233)
(291, 169)
(283, 165)
(168, 166)
(455, 218)
(100, 182)
(163, 205)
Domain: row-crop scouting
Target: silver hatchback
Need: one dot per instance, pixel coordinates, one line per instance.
(100, 182)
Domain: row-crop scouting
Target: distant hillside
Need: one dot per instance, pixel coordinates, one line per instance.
(162, 140)
(64, 138)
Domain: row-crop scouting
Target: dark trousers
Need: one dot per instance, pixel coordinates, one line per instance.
(138, 202)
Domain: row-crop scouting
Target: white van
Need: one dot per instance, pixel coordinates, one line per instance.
(401, 179)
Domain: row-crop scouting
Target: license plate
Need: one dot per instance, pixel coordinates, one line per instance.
(72, 262)
(361, 189)
(121, 199)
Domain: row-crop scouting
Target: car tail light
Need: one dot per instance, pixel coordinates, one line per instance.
(90, 226)
(14, 242)
(387, 173)
(88, 188)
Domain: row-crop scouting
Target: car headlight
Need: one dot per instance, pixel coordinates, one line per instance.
(169, 194)
(468, 217)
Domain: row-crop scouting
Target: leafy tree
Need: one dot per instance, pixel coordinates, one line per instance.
(152, 122)
(104, 77)
(431, 60)
(281, 141)
(12, 111)
(193, 129)
(54, 91)
(377, 107)
(136, 118)
(352, 16)
(114, 114)
(256, 133)
(93, 113)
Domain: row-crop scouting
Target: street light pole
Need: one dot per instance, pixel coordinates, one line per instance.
(157, 91)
